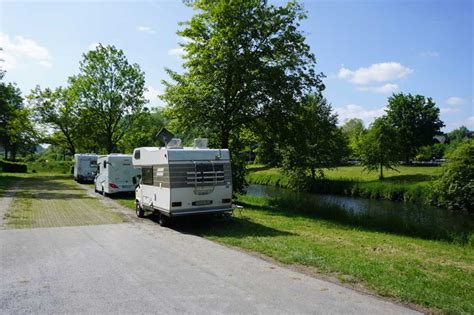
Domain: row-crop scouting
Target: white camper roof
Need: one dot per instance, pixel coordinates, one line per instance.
(115, 155)
(146, 156)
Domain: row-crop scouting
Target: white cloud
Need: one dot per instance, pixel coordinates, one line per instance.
(378, 72)
(455, 100)
(449, 110)
(178, 51)
(19, 50)
(146, 29)
(152, 94)
(355, 111)
(92, 46)
(384, 89)
(429, 53)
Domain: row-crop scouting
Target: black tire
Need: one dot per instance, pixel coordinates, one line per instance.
(139, 211)
(164, 220)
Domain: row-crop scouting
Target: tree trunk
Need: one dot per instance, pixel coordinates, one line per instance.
(224, 138)
(313, 173)
(381, 171)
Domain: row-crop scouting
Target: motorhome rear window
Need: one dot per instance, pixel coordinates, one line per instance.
(147, 175)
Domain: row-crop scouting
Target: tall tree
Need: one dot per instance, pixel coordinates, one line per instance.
(380, 147)
(314, 140)
(17, 134)
(58, 110)
(416, 119)
(245, 62)
(108, 90)
(354, 130)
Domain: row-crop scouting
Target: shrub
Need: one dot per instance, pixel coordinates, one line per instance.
(13, 167)
(455, 188)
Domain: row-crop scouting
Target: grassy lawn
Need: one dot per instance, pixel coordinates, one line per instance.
(408, 184)
(53, 201)
(435, 274)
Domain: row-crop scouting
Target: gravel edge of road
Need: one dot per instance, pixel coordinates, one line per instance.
(6, 201)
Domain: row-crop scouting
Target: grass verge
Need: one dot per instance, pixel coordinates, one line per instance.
(409, 184)
(54, 201)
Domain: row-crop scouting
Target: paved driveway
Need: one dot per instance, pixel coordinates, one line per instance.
(140, 267)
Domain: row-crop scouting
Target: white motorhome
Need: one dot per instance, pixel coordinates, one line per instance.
(115, 173)
(179, 181)
(85, 167)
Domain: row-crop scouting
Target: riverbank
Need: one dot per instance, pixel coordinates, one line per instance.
(410, 184)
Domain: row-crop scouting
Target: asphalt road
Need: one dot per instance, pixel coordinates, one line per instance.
(140, 267)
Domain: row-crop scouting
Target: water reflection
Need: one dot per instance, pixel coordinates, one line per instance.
(395, 217)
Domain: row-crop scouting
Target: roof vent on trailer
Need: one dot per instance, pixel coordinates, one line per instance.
(200, 143)
(174, 143)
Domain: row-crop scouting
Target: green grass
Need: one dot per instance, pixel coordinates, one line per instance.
(408, 184)
(434, 274)
(54, 201)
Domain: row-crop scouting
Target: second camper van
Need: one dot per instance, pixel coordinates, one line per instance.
(115, 173)
(85, 167)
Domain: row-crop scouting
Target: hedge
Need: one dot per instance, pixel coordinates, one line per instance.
(13, 167)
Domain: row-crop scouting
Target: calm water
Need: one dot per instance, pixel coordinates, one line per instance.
(388, 216)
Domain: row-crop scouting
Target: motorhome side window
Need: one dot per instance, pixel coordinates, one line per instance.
(147, 175)
(137, 154)
(105, 164)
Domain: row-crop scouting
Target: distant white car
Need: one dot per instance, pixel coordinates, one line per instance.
(115, 173)
(85, 167)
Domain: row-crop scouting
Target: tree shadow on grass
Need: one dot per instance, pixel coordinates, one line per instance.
(410, 224)
(413, 178)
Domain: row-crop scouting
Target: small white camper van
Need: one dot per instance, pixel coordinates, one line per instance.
(85, 167)
(115, 173)
(179, 181)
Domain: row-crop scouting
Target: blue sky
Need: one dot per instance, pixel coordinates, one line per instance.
(367, 49)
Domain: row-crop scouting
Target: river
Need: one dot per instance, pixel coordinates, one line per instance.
(382, 215)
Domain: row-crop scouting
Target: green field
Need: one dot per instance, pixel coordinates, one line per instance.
(410, 183)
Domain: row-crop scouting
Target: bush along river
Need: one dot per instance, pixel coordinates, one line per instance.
(381, 215)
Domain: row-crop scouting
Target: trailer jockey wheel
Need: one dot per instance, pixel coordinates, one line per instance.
(139, 211)
(163, 220)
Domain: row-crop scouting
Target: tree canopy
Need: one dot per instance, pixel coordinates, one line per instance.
(245, 62)
(416, 119)
(314, 141)
(380, 147)
(108, 89)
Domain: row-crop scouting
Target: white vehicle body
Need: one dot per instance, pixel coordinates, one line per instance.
(115, 173)
(85, 167)
(184, 181)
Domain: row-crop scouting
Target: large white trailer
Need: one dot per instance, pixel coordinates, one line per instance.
(115, 173)
(85, 167)
(180, 181)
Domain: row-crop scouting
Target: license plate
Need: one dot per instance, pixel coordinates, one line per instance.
(202, 202)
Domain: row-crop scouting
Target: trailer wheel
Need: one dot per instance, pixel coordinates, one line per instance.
(139, 211)
(103, 192)
(163, 220)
